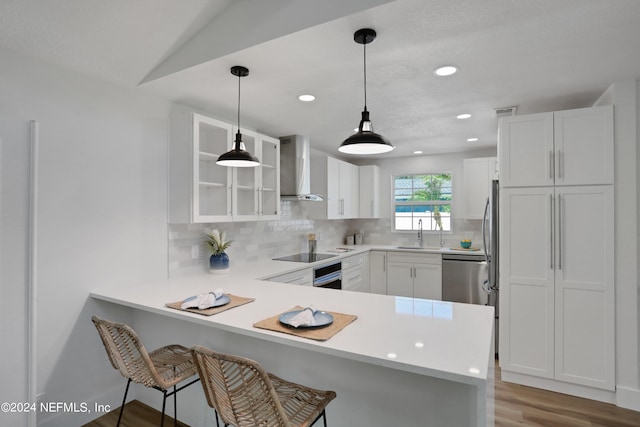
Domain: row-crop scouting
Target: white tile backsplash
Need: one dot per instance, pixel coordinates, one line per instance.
(262, 240)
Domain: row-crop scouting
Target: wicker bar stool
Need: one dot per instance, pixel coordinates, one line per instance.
(245, 395)
(161, 369)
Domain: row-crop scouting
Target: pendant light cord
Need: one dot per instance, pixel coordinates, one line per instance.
(364, 45)
(239, 77)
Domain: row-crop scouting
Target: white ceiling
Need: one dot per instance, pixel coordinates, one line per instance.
(539, 55)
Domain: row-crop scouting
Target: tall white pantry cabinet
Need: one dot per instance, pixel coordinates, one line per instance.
(557, 243)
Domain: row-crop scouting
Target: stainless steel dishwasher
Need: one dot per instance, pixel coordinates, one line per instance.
(463, 277)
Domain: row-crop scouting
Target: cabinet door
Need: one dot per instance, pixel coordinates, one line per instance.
(476, 180)
(427, 281)
(334, 201)
(352, 198)
(269, 179)
(345, 189)
(527, 281)
(378, 272)
(245, 193)
(584, 146)
(212, 184)
(369, 204)
(584, 286)
(525, 147)
(353, 280)
(400, 279)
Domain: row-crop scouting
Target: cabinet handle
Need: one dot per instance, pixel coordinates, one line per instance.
(559, 232)
(552, 165)
(372, 213)
(384, 263)
(551, 226)
(559, 163)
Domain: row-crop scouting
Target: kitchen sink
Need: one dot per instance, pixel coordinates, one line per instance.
(418, 248)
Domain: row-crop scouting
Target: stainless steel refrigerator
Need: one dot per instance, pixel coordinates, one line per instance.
(490, 238)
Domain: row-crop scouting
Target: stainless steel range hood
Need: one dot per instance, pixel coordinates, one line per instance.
(295, 169)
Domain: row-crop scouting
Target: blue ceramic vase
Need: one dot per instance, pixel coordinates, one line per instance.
(219, 264)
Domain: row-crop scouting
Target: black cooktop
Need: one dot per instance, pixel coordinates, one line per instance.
(304, 257)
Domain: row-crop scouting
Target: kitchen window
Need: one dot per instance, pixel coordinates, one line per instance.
(425, 197)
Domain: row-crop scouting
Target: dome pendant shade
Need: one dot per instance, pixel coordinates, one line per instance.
(365, 141)
(238, 157)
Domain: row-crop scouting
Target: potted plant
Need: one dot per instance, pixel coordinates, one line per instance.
(217, 243)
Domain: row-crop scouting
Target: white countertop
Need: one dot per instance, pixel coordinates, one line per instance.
(440, 339)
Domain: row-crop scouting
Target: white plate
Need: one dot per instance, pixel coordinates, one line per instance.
(223, 300)
(321, 319)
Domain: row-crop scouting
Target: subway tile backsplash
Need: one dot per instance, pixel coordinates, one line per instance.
(263, 240)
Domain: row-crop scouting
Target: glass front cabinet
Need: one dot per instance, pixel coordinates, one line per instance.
(200, 191)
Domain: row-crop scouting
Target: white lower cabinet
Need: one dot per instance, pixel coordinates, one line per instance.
(414, 275)
(378, 272)
(298, 277)
(354, 273)
(557, 283)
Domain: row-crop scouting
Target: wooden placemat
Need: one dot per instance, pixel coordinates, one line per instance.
(465, 249)
(340, 321)
(235, 302)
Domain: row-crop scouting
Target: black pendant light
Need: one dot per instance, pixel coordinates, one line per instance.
(365, 141)
(238, 157)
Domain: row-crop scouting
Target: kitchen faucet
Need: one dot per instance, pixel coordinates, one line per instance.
(441, 241)
(420, 242)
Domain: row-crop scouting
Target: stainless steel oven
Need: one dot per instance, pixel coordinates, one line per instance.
(328, 276)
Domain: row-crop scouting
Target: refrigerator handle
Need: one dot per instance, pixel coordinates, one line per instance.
(484, 242)
(484, 227)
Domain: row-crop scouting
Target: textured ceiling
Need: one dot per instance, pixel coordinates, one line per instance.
(539, 55)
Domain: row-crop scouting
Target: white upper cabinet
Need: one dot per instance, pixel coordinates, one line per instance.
(573, 147)
(257, 190)
(369, 191)
(200, 191)
(338, 182)
(525, 150)
(477, 176)
(584, 146)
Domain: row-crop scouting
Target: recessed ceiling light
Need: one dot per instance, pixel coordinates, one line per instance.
(474, 370)
(445, 70)
(419, 344)
(392, 355)
(472, 139)
(306, 98)
(417, 152)
(463, 116)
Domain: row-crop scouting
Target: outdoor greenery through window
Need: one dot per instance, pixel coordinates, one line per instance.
(422, 197)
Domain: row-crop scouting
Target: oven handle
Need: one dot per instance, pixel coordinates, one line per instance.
(331, 277)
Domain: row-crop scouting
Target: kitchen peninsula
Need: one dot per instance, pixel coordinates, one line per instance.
(403, 361)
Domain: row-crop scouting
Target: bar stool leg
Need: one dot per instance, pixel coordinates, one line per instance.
(124, 400)
(175, 407)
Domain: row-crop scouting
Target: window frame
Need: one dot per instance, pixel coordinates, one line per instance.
(394, 204)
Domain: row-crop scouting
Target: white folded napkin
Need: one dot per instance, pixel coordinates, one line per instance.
(202, 301)
(304, 318)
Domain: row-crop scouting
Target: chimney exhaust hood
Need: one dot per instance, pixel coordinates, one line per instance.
(295, 169)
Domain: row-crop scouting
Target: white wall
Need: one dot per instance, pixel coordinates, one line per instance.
(625, 96)
(15, 151)
(102, 210)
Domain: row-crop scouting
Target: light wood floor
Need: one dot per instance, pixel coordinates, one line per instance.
(516, 405)
(136, 414)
